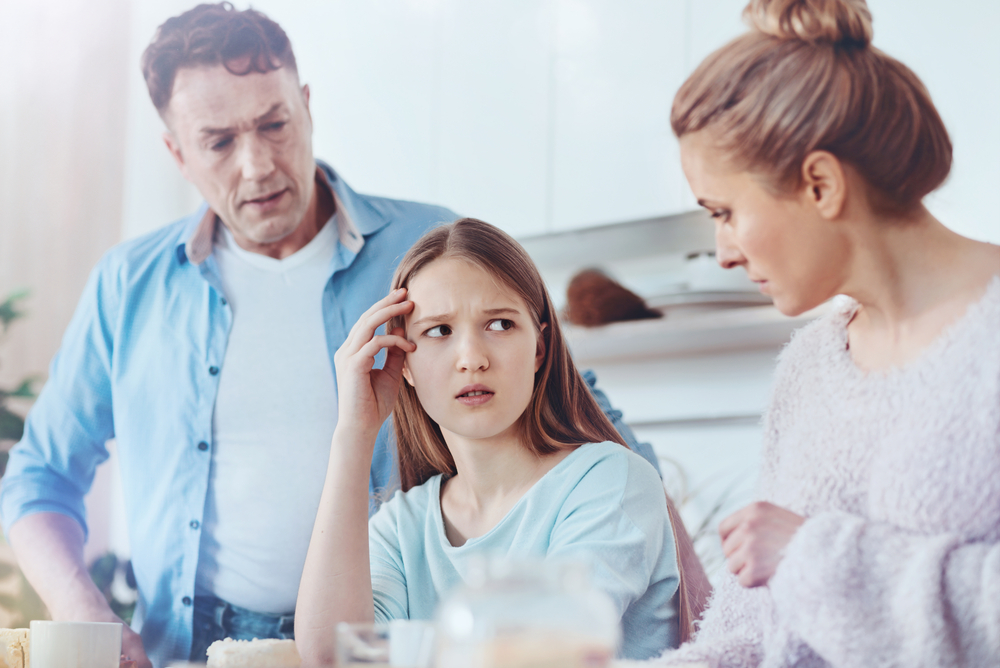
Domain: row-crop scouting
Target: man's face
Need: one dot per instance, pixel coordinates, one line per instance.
(246, 143)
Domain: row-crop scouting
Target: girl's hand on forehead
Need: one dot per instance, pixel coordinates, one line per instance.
(366, 395)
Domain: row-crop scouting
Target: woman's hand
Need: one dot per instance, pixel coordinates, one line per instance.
(754, 540)
(365, 395)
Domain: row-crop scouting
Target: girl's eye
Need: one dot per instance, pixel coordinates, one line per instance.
(721, 215)
(500, 325)
(438, 332)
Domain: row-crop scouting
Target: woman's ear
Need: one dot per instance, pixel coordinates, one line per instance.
(825, 183)
(540, 347)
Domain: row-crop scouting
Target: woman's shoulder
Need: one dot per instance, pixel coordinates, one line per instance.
(826, 334)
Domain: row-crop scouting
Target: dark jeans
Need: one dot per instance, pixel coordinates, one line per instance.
(214, 619)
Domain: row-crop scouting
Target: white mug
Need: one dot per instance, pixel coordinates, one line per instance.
(75, 644)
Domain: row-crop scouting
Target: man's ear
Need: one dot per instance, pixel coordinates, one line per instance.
(407, 375)
(825, 183)
(540, 347)
(174, 147)
(305, 100)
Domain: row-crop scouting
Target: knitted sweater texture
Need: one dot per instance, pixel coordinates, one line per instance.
(898, 475)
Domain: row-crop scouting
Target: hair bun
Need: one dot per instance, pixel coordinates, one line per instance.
(813, 21)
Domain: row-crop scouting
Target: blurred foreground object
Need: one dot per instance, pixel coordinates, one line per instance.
(263, 653)
(519, 614)
(593, 298)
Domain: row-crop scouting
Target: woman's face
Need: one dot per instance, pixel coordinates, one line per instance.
(477, 350)
(793, 254)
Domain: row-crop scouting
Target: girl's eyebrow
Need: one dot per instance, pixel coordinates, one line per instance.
(445, 317)
(426, 320)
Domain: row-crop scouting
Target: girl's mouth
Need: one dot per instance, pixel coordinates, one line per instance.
(475, 397)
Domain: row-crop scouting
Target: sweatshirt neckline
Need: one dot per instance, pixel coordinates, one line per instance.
(975, 312)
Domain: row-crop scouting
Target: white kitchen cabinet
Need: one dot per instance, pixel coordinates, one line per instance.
(491, 123)
(617, 66)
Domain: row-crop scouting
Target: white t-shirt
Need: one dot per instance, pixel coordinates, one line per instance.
(274, 418)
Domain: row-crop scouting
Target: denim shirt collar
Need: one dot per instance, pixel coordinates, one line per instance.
(356, 219)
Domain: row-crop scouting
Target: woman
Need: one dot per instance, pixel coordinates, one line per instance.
(876, 540)
(501, 449)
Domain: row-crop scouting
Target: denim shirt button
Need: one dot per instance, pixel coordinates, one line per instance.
(186, 600)
(203, 446)
(214, 370)
(194, 524)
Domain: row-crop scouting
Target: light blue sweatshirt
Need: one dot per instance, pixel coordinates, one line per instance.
(602, 505)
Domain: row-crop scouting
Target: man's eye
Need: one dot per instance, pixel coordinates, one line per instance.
(500, 325)
(438, 331)
(274, 127)
(222, 144)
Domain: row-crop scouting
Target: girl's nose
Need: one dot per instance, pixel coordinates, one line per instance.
(471, 354)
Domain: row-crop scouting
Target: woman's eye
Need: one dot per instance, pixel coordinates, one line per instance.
(438, 332)
(500, 325)
(721, 215)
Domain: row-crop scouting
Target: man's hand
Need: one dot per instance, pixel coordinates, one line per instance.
(132, 649)
(754, 540)
(49, 548)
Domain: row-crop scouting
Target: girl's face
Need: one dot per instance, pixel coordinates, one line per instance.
(477, 350)
(793, 254)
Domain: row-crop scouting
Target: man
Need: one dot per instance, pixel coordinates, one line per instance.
(205, 349)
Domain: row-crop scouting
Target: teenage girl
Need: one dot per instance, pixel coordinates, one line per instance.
(502, 450)
(876, 539)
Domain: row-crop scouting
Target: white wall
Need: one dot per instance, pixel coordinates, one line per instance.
(542, 115)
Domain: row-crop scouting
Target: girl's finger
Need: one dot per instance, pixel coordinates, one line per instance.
(366, 326)
(373, 347)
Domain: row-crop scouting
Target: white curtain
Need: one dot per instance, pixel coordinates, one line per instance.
(62, 144)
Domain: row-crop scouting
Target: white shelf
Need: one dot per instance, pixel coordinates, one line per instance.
(746, 328)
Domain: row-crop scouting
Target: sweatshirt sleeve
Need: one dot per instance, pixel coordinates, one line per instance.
(866, 593)
(730, 633)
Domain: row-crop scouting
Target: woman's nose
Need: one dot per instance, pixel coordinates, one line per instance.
(727, 254)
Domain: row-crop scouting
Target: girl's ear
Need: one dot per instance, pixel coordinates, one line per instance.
(540, 347)
(407, 375)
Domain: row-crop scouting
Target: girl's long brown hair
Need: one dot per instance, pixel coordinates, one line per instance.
(562, 414)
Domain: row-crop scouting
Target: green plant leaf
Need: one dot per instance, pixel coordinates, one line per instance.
(11, 425)
(24, 390)
(8, 308)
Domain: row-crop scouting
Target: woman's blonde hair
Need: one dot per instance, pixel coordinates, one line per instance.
(807, 78)
(562, 413)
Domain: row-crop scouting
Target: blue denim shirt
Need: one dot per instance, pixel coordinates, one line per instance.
(140, 363)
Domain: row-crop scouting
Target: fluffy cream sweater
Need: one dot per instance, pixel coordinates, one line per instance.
(898, 475)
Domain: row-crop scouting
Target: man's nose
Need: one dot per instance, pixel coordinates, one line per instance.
(472, 354)
(727, 254)
(256, 161)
